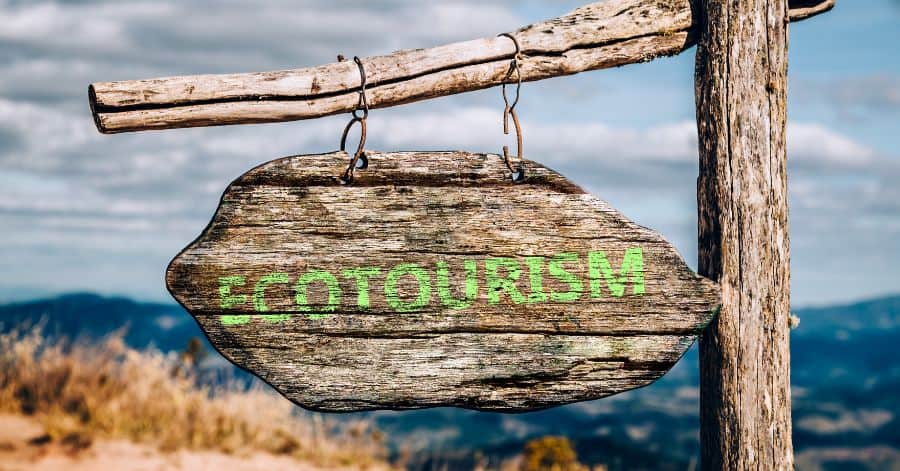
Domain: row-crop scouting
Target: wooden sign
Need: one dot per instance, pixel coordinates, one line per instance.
(434, 280)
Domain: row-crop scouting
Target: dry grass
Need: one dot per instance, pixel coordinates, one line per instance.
(84, 391)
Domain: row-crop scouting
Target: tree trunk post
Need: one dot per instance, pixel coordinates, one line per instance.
(741, 91)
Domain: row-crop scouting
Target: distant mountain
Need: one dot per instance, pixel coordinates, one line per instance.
(881, 314)
(849, 346)
(845, 376)
(164, 326)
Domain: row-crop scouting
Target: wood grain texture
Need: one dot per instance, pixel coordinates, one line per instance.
(741, 88)
(596, 36)
(558, 343)
(800, 10)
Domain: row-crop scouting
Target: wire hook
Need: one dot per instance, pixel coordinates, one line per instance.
(518, 174)
(359, 159)
(513, 68)
(509, 110)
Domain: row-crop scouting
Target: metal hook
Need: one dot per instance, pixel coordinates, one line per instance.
(513, 67)
(517, 174)
(359, 159)
(363, 103)
(518, 54)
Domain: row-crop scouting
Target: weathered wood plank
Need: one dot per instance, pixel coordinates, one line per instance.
(479, 371)
(479, 292)
(598, 35)
(741, 87)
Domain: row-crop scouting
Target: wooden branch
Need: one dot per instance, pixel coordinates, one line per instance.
(597, 36)
(803, 9)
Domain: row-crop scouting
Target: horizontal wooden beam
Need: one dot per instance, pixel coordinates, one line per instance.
(596, 36)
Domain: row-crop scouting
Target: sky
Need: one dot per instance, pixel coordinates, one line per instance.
(80, 211)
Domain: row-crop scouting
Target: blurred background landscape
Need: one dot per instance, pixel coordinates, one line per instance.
(100, 368)
(846, 378)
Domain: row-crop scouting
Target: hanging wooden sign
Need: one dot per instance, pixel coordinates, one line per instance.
(435, 280)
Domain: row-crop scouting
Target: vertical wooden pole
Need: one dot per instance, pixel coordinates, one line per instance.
(741, 83)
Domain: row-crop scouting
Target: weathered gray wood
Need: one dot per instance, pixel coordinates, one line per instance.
(598, 35)
(803, 9)
(292, 216)
(741, 87)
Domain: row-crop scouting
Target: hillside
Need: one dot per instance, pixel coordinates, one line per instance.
(66, 405)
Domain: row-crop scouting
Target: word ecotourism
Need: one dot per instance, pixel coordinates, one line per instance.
(500, 275)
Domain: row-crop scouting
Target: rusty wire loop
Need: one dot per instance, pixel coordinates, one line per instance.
(513, 68)
(509, 110)
(360, 113)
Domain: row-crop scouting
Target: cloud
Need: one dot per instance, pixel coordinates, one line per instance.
(815, 144)
(671, 142)
(879, 91)
(856, 98)
(207, 30)
(482, 127)
(52, 50)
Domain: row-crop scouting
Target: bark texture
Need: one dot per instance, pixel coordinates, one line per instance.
(741, 88)
(556, 342)
(599, 35)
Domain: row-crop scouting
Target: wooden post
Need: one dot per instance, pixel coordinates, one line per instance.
(741, 80)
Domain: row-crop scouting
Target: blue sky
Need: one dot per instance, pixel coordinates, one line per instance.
(82, 211)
